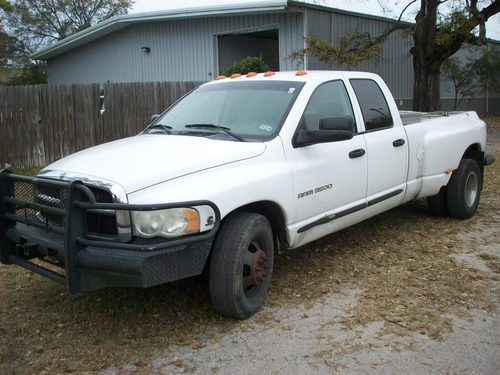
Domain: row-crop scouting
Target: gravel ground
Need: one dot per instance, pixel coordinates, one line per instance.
(402, 292)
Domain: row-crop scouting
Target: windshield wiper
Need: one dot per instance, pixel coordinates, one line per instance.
(166, 129)
(216, 127)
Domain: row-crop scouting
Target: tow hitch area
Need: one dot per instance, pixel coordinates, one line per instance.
(29, 250)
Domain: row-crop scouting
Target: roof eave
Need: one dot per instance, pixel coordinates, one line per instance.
(346, 12)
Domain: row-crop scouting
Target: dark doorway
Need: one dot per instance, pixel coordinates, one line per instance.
(233, 47)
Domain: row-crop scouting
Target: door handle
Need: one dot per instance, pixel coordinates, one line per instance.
(356, 153)
(398, 142)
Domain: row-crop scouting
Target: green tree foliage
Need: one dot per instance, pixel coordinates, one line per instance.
(34, 73)
(28, 25)
(8, 44)
(437, 35)
(473, 75)
(246, 65)
(487, 69)
(42, 22)
(352, 49)
(462, 75)
(6, 41)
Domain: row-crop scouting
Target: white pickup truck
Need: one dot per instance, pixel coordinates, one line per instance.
(237, 170)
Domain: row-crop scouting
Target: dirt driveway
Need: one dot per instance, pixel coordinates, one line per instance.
(400, 292)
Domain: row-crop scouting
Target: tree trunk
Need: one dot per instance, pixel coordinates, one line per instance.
(426, 68)
(426, 89)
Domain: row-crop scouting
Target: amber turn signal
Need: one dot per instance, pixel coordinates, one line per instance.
(193, 222)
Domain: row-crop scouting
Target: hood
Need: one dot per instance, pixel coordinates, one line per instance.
(141, 161)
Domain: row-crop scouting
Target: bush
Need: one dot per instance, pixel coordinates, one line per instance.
(246, 65)
(30, 74)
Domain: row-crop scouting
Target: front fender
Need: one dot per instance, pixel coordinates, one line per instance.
(263, 178)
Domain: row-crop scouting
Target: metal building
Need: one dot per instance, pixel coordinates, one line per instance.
(196, 44)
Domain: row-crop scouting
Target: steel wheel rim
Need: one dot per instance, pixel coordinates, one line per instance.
(471, 189)
(255, 267)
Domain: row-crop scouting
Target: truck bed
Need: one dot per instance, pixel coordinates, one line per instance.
(412, 117)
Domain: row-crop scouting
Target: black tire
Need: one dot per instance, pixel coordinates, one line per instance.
(464, 189)
(237, 259)
(438, 204)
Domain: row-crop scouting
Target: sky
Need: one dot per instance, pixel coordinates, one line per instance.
(391, 8)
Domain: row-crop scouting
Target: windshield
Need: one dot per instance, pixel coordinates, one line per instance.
(238, 111)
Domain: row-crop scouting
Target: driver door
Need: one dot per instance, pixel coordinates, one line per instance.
(329, 179)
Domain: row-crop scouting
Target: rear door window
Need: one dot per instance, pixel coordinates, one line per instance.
(374, 107)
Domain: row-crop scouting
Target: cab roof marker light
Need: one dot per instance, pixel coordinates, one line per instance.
(251, 74)
(269, 74)
(220, 77)
(235, 75)
(301, 73)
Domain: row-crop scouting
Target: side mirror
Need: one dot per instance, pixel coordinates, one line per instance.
(337, 123)
(310, 137)
(153, 118)
(332, 129)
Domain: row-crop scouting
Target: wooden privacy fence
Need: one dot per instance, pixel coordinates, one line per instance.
(43, 123)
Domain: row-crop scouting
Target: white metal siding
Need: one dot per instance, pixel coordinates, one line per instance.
(181, 50)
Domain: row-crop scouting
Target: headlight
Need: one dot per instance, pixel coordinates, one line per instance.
(173, 222)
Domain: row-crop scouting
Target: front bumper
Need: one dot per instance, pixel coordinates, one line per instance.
(87, 264)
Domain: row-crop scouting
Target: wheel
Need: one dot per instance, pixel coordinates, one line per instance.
(241, 265)
(438, 204)
(464, 189)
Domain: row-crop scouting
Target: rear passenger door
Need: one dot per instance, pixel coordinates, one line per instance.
(387, 148)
